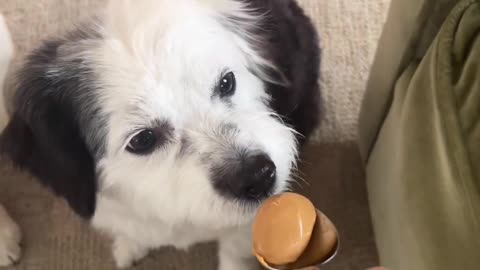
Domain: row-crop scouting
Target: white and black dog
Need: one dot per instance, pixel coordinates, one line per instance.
(167, 122)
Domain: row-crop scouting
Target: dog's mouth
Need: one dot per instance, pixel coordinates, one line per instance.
(250, 204)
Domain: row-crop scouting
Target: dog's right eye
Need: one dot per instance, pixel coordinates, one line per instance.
(142, 143)
(227, 85)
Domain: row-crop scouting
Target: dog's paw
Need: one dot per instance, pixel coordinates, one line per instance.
(6, 48)
(10, 236)
(126, 253)
(6, 55)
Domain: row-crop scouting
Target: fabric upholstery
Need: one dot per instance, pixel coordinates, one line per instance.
(422, 177)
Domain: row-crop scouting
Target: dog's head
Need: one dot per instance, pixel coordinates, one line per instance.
(160, 105)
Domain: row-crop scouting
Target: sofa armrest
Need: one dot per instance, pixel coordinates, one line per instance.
(422, 152)
(409, 30)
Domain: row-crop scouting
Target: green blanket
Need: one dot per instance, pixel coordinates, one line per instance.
(424, 164)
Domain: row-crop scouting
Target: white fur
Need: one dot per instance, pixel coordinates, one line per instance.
(10, 234)
(160, 60)
(6, 55)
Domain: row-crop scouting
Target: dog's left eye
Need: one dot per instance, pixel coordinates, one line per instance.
(227, 85)
(143, 142)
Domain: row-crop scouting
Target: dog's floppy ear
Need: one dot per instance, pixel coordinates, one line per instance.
(44, 138)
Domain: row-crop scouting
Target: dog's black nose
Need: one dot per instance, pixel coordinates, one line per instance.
(251, 177)
(254, 179)
(260, 174)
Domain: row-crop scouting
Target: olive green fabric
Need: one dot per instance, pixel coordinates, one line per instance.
(422, 171)
(409, 30)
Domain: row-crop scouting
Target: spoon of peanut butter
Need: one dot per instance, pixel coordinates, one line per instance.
(290, 233)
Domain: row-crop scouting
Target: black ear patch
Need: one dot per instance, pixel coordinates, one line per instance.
(16, 141)
(291, 44)
(47, 133)
(53, 152)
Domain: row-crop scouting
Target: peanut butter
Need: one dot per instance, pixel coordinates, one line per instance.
(289, 233)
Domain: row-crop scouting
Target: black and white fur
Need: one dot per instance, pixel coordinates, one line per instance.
(168, 122)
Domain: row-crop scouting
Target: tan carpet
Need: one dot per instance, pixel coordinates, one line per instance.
(55, 239)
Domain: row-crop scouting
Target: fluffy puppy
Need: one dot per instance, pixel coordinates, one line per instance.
(168, 122)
